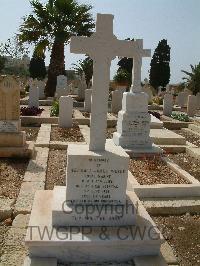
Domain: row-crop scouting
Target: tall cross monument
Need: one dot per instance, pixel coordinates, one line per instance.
(137, 65)
(102, 47)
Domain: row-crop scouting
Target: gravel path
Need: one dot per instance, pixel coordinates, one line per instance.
(56, 169)
(31, 133)
(67, 134)
(188, 163)
(153, 171)
(3, 230)
(192, 138)
(183, 234)
(11, 176)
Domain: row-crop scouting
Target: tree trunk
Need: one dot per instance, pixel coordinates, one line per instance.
(56, 68)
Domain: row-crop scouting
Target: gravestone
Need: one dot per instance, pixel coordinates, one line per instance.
(33, 94)
(88, 100)
(96, 180)
(65, 112)
(147, 88)
(62, 89)
(167, 104)
(12, 139)
(192, 105)
(41, 85)
(182, 99)
(198, 100)
(82, 87)
(133, 125)
(61, 82)
(116, 104)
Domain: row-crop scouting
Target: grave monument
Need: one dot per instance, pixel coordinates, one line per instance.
(96, 179)
(133, 125)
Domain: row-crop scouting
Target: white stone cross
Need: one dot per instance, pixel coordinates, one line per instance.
(139, 53)
(102, 47)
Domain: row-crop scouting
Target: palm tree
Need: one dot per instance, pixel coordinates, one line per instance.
(52, 25)
(84, 66)
(193, 79)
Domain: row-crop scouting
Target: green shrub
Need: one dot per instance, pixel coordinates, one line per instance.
(55, 108)
(180, 117)
(158, 100)
(122, 76)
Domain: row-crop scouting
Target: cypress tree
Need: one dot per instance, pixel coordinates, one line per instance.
(160, 69)
(37, 67)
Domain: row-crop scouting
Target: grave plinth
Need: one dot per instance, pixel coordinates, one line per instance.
(96, 188)
(12, 139)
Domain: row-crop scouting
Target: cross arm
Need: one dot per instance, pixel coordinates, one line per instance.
(79, 45)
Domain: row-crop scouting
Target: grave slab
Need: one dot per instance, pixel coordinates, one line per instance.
(166, 137)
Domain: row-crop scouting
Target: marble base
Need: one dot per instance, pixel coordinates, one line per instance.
(128, 142)
(64, 214)
(153, 151)
(89, 244)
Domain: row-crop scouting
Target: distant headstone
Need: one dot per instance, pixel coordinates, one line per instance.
(82, 87)
(33, 94)
(9, 99)
(65, 111)
(191, 105)
(62, 88)
(88, 100)
(167, 104)
(12, 139)
(147, 88)
(198, 100)
(182, 99)
(116, 104)
(61, 82)
(41, 86)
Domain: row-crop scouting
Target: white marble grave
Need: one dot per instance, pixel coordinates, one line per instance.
(133, 125)
(95, 197)
(65, 112)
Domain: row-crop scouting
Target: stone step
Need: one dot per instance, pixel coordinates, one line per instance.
(172, 206)
(166, 137)
(173, 148)
(194, 152)
(194, 128)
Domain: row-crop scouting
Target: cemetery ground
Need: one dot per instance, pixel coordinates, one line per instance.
(169, 190)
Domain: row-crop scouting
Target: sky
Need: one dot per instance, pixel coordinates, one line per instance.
(150, 20)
